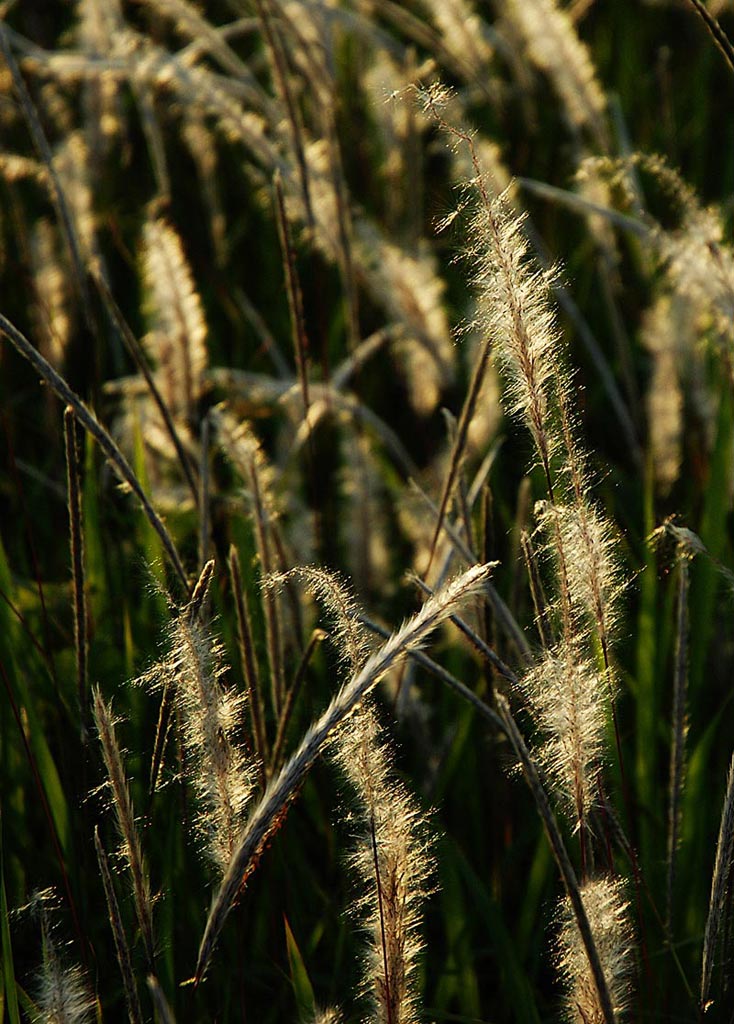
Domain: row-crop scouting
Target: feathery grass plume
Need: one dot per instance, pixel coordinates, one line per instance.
(514, 315)
(63, 996)
(697, 261)
(608, 914)
(554, 46)
(202, 92)
(54, 314)
(267, 816)
(118, 932)
(71, 162)
(130, 848)
(669, 336)
(350, 638)
(575, 903)
(463, 32)
(177, 342)
(700, 266)
(327, 1016)
(587, 542)
(393, 863)
(406, 284)
(719, 885)
(97, 23)
(218, 767)
(566, 698)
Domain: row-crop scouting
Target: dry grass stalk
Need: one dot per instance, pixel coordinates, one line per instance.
(118, 932)
(719, 881)
(165, 1014)
(122, 806)
(267, 816)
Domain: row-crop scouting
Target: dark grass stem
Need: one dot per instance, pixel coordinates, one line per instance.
(678, 738)
(540, 605)
(480, 645)
(204, 495)
(76, 543)
(317, 637)
(722, 869)
(719, 36)
(504, 615)
(248, 660)
(122, 949)
(281, 79)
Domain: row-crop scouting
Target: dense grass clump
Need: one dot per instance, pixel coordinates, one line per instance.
(367, 473)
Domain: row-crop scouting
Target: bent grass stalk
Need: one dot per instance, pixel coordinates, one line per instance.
(268, 815)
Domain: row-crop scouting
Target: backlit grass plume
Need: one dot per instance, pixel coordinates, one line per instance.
(553, 44)
(608, 914)
(567, 702)
(211, 714)
(514, 316)
(177, 341)
(62, 992)
(393, 863)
